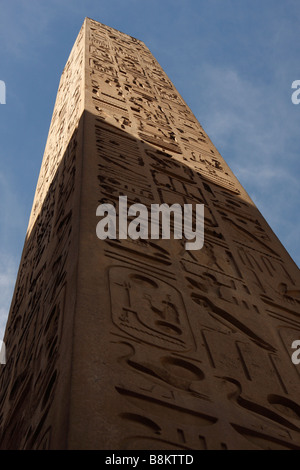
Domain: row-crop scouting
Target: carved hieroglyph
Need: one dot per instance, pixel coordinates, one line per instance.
(140, 344)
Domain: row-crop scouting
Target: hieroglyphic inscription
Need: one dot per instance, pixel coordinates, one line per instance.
(225, 289)
(34, 381)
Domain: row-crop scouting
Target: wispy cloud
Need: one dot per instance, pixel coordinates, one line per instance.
(8, 273)
(252, 125)
(11, 232)
(22, 22)
(11, 214)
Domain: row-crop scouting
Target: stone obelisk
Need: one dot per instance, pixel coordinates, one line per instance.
(140, 343)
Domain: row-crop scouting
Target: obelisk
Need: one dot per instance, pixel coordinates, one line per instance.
(126, 343)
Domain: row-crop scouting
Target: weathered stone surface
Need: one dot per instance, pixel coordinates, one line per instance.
(141, 344)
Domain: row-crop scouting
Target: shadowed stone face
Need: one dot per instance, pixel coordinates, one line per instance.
(137, 342)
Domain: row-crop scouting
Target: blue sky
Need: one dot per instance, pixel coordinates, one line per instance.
(232, 61)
